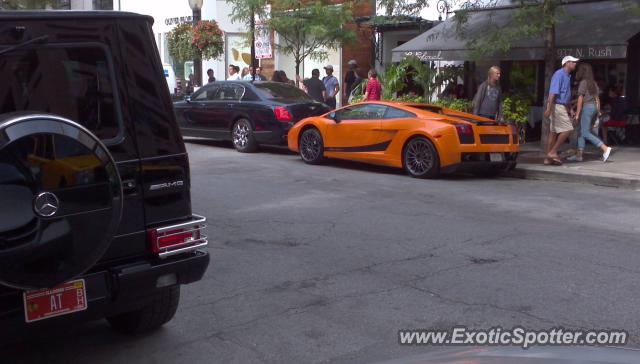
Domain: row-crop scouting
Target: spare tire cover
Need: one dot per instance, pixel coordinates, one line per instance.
(61, 199)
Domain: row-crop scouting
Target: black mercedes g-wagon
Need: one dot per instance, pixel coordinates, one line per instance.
(95, 209)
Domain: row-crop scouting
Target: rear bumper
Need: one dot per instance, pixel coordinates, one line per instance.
(111, 291)
(271, 136)
(478, 162)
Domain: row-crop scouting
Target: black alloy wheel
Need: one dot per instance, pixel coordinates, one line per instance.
(311, 146)
(242, 136)
(420, 158)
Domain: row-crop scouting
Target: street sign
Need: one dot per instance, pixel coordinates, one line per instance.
(262, 41)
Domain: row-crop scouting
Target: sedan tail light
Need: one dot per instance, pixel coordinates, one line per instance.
(180, 238)
(465, 133)
(282, 114)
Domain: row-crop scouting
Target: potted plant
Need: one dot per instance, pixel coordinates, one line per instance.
(515, 109)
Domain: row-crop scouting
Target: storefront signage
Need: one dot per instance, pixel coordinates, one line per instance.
(178, 20)
(609, 52)
(425, 55)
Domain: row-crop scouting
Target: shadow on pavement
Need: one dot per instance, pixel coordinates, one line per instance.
(339, 163)
(269, 149)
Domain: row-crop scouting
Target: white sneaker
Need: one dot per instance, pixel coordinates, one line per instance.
(606, 154)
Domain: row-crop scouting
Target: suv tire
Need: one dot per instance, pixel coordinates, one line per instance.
(160, 311)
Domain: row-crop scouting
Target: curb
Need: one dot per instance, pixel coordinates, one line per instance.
(560, 174)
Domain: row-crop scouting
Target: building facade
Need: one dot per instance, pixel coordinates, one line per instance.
(168, 13)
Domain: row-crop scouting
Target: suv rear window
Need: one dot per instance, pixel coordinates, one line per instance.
(73, 82)
(281, 91)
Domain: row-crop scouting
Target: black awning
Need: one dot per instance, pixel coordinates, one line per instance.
(588, 30)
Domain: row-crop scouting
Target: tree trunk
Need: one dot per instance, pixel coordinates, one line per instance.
(549, 69)
(252, 29)
(297, 72)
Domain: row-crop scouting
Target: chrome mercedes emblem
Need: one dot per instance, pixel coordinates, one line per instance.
(46, 204)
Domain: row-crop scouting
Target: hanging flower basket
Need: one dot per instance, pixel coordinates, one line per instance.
(179, 43)
(208, 39)
(205, 40)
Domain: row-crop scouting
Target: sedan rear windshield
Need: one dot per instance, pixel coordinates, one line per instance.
(281, 91)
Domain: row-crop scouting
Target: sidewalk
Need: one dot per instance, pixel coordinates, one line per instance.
(622, 170)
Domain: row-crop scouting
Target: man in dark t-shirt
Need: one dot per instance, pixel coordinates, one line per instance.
(315, 87)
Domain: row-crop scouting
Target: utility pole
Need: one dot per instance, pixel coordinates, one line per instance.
(252, 29)
(196, 7)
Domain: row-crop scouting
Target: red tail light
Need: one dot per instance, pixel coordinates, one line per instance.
(282, 114)
(170, 240)
(465, 133)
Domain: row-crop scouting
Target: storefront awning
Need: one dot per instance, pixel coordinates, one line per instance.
(588, 30)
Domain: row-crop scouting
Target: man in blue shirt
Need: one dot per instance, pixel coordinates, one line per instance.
(559, 109)
(331, 85)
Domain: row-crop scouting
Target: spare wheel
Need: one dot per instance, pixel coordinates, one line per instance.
(61, 200)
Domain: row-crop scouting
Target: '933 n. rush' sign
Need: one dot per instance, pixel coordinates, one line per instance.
(593, 52)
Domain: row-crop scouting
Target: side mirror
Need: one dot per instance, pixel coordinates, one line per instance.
(187, 98)
(333, 116)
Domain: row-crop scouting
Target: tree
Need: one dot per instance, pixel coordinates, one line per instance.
(402, 7)
(243, 11)
(310, 29)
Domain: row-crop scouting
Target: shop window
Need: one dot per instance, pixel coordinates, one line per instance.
(524, 77)
(102, 4)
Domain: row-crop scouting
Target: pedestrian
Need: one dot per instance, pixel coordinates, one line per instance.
(276, 76)
(246, 73)
(374, 89)
(350, 79)
(233, 73)
(558, 109)
(314, 86)
(460, 92)
(191, 84)
(488, 99)
(210, 75)
(332, 87)
(286, 79)
(259, 76)
(588, 108)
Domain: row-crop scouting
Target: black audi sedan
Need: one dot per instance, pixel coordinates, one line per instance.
(247, 113)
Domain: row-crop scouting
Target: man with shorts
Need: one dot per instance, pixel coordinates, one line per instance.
(559, 109)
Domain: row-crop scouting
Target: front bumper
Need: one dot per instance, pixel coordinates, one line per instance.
(114, 290)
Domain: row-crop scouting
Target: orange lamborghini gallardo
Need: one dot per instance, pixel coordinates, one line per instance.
(425, 140)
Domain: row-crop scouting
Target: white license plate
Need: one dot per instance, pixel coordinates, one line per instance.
(496, 157)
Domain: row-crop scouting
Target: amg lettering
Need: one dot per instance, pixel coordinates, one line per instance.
(162, 186)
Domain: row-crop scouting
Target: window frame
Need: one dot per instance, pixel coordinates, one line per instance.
(229, 85)
(348, 108)
(119, 137)
(389, 108)
(213, 88)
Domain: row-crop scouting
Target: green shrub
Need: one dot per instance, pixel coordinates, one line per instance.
(516, 109)
(463, 105)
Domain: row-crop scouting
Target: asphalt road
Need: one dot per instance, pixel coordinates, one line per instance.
(325, 264)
